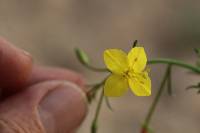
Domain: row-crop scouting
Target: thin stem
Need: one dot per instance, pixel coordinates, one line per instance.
(96, 69)
(157, 99)
(169, 81)
(155, 61)
(97, 86)
(91, 94)
(176, 63)
(94, 123)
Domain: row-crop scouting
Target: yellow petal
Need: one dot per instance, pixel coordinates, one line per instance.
(137, 59)
(140, 84)
(116, 60)
(115, 86)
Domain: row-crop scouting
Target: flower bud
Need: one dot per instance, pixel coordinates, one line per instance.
(82, 56)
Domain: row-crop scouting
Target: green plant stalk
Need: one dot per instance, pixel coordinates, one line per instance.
(155, 61)
(176, 63)
(92, 92)
(169, 81)
(94, 123)
(88, 66)
(97, 86)
(157, 99)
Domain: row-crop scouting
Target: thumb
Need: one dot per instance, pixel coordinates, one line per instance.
(51, 106)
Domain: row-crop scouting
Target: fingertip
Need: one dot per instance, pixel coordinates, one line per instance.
(63, 108)
(15, 67)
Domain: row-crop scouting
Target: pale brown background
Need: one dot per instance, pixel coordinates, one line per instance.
(50, 29)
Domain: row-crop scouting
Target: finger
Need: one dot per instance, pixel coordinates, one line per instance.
(15, 67)
(43, 73)
(56, 107)
(67, 115)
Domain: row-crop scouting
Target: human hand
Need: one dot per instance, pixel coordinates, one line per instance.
(38, 99)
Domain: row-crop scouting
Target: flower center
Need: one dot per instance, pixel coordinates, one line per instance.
(129, 74)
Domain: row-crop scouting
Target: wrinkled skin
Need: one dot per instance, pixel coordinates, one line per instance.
(38, 99)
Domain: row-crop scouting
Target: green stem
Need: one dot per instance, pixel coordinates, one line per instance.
(94, 123)
(156, 100)
(91, 94)
(155, 61)
(176, 63)
(169, 81)
(97, 86)
(96, 69)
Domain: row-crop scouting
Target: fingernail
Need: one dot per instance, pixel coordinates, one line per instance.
(63, 109)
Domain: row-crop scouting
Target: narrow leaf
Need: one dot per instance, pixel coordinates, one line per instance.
(108, 103)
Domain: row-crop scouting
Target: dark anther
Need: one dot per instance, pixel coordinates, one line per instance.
(136, 59)
(141, 82)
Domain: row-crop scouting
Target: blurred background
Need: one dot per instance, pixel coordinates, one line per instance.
(51, 29)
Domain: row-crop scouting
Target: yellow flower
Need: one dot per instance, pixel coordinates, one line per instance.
(127, 71)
